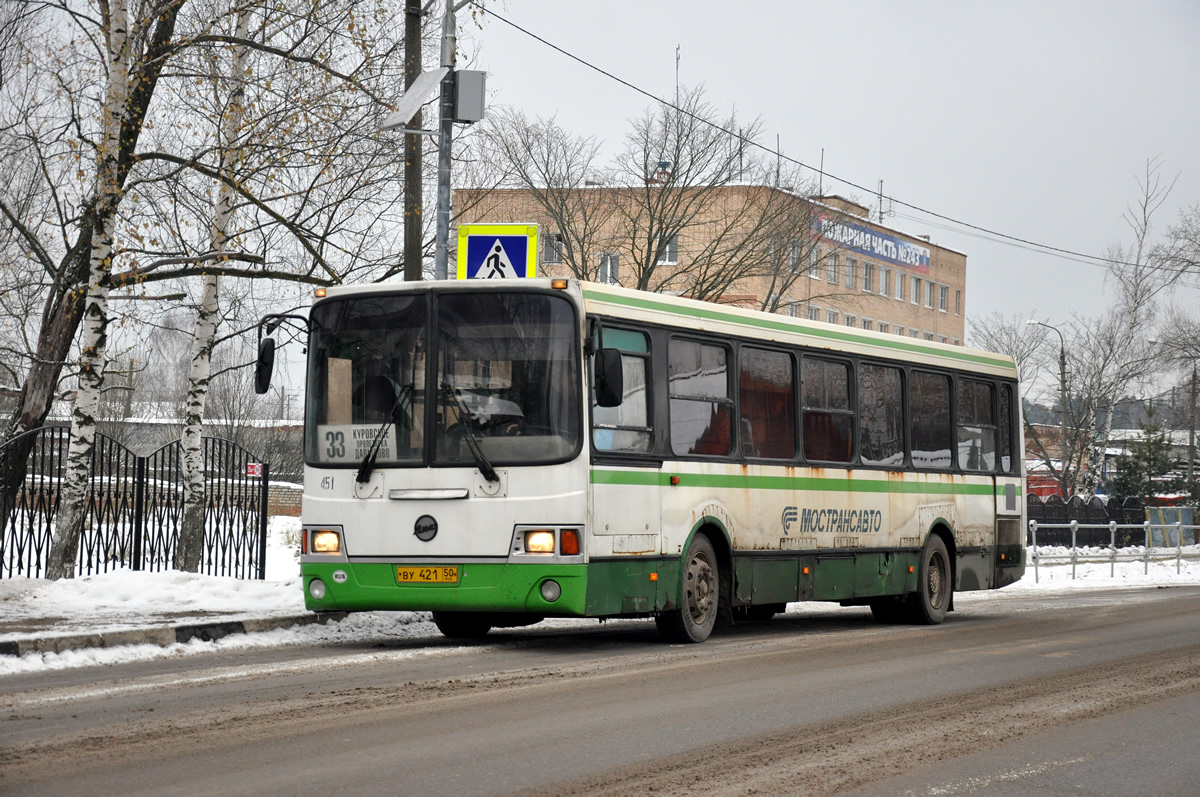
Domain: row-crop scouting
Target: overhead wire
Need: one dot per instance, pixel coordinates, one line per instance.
(961, 226)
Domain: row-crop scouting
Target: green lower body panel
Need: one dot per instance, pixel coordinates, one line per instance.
(775, 579)
(480, 588)
(632, 586)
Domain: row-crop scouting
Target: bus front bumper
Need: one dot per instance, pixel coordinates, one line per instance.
(348, 586)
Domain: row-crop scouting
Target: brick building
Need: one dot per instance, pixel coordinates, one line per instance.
(823, 259)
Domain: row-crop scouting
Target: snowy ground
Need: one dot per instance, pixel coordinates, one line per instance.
(127, 599)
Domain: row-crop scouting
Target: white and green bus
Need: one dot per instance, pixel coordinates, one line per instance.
(499, 452)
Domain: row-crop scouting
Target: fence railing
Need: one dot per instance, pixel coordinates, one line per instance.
(1171, 536)
(134, 506)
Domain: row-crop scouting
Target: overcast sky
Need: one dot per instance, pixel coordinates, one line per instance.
(1031, 119)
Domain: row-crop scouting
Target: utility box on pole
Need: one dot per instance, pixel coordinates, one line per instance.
(469, 95)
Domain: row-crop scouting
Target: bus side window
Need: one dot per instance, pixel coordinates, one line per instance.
(700, 404)
(828, 416)
(881, 415)
(767, 400)
(929, 398)
(976, 426)
(626, 427)
(1004, 433)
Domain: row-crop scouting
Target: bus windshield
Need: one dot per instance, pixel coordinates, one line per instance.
(505, 373)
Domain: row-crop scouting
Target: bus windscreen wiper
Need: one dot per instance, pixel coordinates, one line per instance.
(368, 463)
(481, 460)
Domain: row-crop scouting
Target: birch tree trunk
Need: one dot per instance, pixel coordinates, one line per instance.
(73, 495)
(191, 532)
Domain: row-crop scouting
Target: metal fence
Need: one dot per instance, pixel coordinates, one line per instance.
(134, 506)
(1170, 535)
(1093, 516)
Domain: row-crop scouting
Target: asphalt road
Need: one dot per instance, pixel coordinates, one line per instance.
(1092, 693)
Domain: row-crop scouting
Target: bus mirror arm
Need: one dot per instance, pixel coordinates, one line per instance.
(610, 380)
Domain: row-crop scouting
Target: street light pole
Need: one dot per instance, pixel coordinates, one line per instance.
(1062, 386)
(441, 242)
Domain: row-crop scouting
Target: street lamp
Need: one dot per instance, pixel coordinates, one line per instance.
(1062, 385)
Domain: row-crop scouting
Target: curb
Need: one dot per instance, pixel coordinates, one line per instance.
(161, 636)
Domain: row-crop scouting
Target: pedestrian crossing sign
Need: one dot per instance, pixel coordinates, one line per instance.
(497, 251)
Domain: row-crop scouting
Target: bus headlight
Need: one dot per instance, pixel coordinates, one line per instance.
(326, 541)
(316, 588)
(539, 541)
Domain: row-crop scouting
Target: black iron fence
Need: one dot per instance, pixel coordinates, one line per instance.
(1095, 511)
(134, 506)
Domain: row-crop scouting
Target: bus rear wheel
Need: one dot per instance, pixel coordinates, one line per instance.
(694, 620)
(462, 625)
(928, 606)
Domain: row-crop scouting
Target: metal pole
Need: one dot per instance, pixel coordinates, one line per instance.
(1062, 383)
(1112, 544)
(442, 243)
(412, 147)
(1191, 483)
(1074, 552)
(1033, 533)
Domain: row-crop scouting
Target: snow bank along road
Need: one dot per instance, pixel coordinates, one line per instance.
(818, 702)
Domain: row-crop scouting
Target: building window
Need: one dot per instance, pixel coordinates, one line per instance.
(831, 269)
(899, 330)
(795, 255)
(928, 336)
(958, 302)
(831, 316)
(900, 280)
(868, 277)
(883, 327)
(609, 270)
(553, 250)
(915, 296)
(867, 324)
(669, 255)
(814, 313)
(930, 287)
(814, 263)
(851, 321)
(914, 333)
(885, 282)
(851, 273)
(794, 309)
(943, 297)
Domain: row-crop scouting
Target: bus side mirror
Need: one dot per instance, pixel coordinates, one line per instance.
(610, 381)
(262, 368)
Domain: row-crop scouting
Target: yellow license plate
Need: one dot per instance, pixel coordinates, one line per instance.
(434, 574)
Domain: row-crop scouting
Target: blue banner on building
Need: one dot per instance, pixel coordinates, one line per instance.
(872, 243)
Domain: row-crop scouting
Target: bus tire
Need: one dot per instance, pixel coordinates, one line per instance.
(693, 621)
(462, 625)
(935, 586)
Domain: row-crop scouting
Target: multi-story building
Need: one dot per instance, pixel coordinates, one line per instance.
(831, 263)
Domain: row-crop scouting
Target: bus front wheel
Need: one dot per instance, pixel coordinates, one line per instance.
(932, 598)
(694, 620)
(462, 625)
